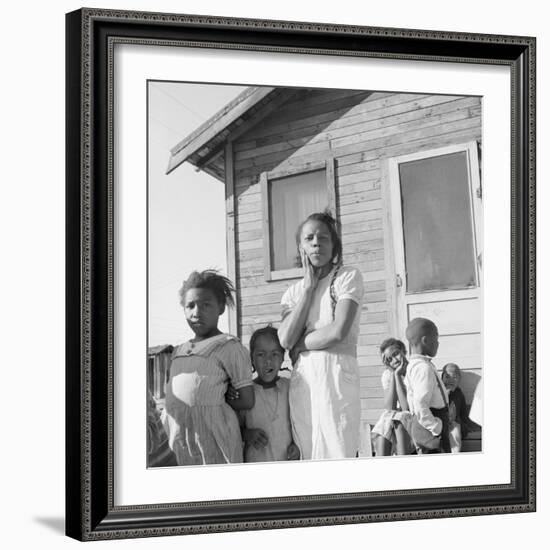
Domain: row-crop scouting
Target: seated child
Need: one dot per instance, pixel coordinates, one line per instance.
(388, 434)
(458, 416)
(266, 430)
(426, 396)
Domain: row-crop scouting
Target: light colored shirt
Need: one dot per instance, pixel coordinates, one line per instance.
(348, 284)
(423, 392)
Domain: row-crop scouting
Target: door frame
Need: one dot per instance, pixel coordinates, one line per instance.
(395, 230)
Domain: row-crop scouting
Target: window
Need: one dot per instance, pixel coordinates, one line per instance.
(437, 223)
(288, 197)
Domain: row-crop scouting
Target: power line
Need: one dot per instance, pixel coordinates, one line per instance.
(202, 118)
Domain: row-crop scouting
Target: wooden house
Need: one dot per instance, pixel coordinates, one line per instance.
(401, 171)
(158, 370)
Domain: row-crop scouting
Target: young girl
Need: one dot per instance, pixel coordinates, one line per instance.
(266, 426)
(321, 326)
(388, 433)
(202, 427)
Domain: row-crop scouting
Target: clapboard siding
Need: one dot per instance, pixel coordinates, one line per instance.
(359, 130)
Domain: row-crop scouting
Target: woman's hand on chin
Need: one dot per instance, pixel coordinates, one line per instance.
(311, 275)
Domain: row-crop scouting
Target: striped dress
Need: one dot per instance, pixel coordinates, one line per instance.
(202, 427)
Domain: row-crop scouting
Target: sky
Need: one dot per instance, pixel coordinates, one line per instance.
(186, 228)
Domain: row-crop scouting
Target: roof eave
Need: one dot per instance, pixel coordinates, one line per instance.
(200, 139)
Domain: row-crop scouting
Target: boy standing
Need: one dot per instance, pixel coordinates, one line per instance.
(425, 394)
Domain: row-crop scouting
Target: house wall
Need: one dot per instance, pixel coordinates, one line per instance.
(360, 130)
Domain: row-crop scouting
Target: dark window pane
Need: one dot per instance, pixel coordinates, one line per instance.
(437, 223)
(291, 200)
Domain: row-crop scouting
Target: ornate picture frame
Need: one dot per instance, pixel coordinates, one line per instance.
(91, 511)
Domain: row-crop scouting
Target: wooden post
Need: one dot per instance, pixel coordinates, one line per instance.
(230, 235)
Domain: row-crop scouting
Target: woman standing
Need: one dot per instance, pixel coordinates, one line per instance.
(321, 326)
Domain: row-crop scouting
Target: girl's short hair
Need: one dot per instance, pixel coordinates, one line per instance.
(268, 330)
(392, 342)
(221, 286)
(332, 225)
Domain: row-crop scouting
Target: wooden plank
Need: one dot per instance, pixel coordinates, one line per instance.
(366, 185)
(357, 177)
(367, 350)
(253, 216)
(247, 192)
(331, 186)
(377, 100)
(391, 272)
(373, 329)
(361, 247)
(439, 136)
(251, 245)
(365, 215)
(422, 125)
(354, 168)
(361, 236)
(252, 235)
(371, 393)
(344, 124)
(362, 226)
(372, 403)
(250, 226)
(346, 198)
(437, 106)
(450, 316)
(250, 310)
(372, 338)
(372, 298)
(334, 123)
(409, 145)
(230, 232)
(295, 149)
(250, 288)
(349, 209)
(374, 317)
(293, 170)
(463, 349)
(310, 108)
(369, 255)
(283, 96)
(382, 147)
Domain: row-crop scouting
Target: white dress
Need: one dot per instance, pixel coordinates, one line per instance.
(270, 413)
(325, 406)
(202, 428)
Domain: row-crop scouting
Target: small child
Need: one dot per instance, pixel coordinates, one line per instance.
(458, 415)
(267, 433)
(388, 433)
(202, 427)
(426, 396)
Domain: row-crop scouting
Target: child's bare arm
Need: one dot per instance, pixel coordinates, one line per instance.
(244, 400)
(390, 395)
(401, 391)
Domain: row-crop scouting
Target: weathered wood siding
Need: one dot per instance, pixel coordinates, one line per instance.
(360, 130)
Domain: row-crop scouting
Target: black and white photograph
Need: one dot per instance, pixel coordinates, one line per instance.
(300, 274)
(314, 274)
